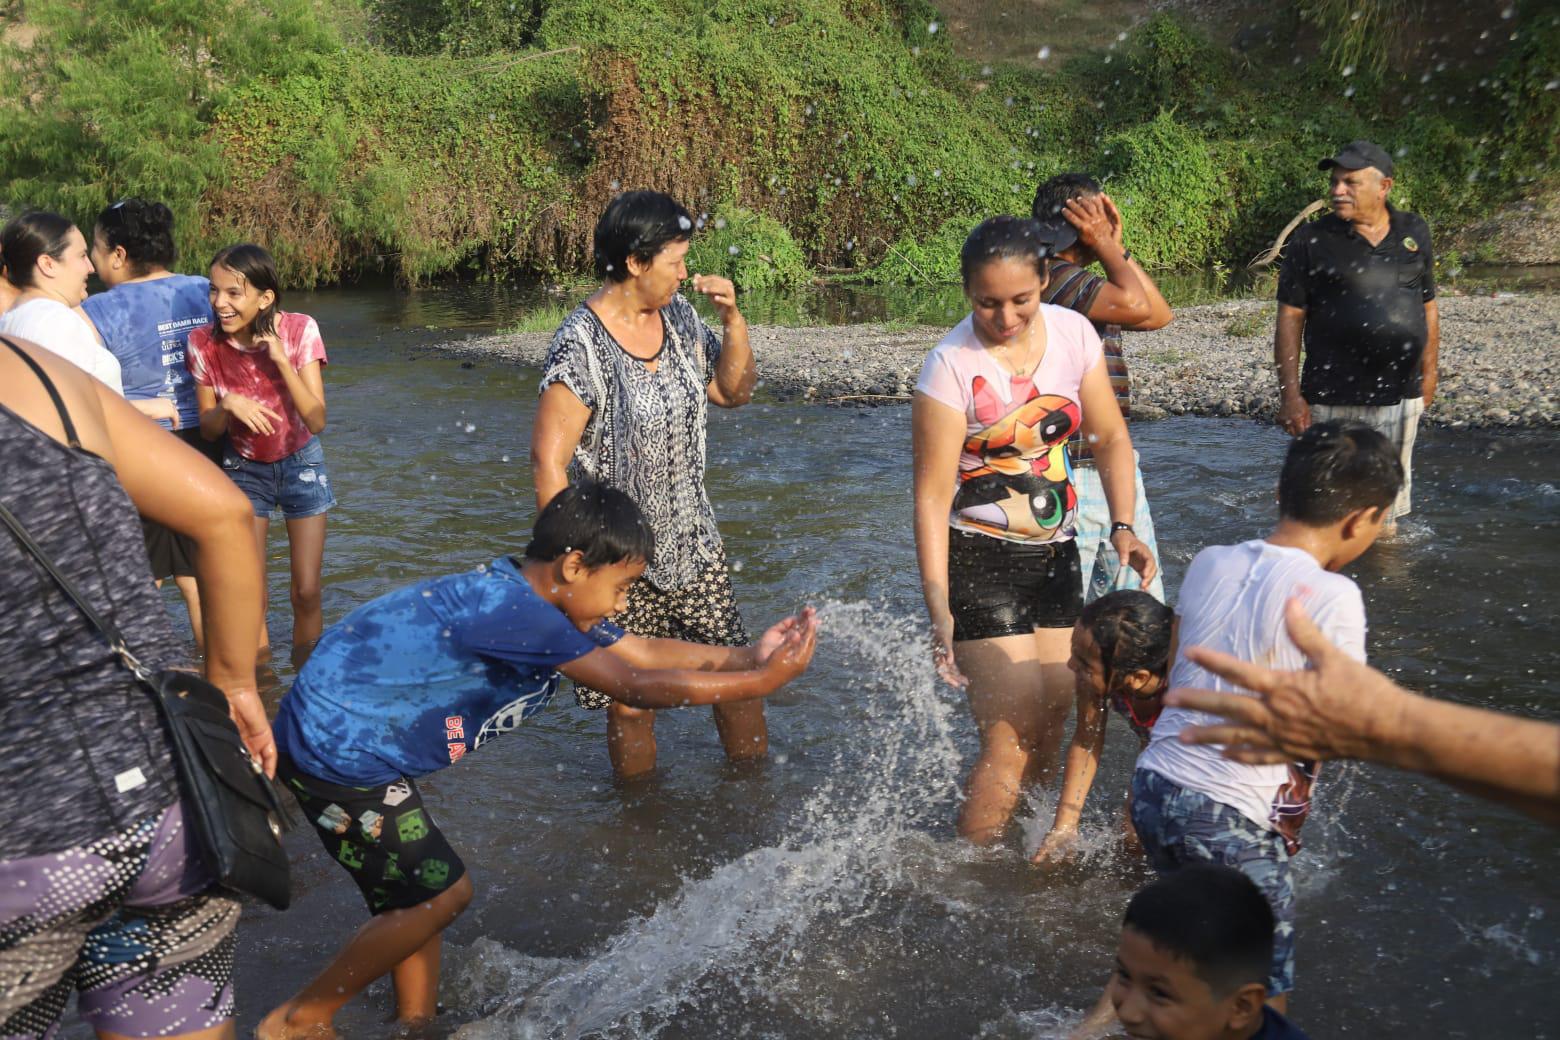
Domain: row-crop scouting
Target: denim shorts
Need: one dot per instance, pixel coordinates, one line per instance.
(297, 484)
(1177, 827)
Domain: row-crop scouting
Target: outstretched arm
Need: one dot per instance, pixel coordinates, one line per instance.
(1340, 708)
(1083, 759)
(648, 654)
(681, 687)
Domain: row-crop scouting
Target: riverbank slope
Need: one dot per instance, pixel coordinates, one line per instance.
(1499, 364)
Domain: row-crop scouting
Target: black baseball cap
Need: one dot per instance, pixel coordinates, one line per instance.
(1356, 155)
(1055, 235)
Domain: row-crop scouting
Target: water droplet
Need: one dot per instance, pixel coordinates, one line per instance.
(616, 185)
(932, 28)
(1045, 52)
(684, 223)
(1508, 12)
(470, 427)
(912, 180)
(1348, 70)
(736, 565)
(734, 250)
(1348, 91)
(503, 458)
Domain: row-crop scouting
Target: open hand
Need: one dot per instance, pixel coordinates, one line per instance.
(772, 639)
(1113, 215)
(1060, 846)
(1329, 710)
(254, 415)
(721, 293)
(795, 652)
(1088, 215)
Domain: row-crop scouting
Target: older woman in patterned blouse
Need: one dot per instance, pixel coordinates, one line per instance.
(623, 402)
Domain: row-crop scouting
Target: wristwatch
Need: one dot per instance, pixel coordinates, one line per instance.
(1121, 525)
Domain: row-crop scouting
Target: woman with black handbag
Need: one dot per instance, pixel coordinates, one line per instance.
(105, 887)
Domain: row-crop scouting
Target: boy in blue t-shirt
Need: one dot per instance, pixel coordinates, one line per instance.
(414, 680)
(1193, 960)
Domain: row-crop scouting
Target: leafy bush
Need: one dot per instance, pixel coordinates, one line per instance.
(1174, 197)
(753, 250)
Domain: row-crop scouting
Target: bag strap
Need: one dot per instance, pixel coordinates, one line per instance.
(54, 394)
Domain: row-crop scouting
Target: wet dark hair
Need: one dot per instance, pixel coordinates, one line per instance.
(1334, 468)
(258, 268)
(1213, 917)
(1132, 630)
(34, 234)
(145, 229)
(601, 522)
(1003, 238)
(1051, 197)
(637, 224)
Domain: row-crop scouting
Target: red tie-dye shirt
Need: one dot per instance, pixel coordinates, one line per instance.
(227, 368)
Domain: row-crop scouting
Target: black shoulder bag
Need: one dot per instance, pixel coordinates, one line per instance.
(229, 802)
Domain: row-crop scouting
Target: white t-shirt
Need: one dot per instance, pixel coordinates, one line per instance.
(1015, 478)
(60, 330)
(1233, 600)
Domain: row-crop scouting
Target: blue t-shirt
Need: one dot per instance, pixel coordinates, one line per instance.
(408, 683)
(146, 325)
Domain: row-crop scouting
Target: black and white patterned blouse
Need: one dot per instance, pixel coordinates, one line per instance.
(645, 434)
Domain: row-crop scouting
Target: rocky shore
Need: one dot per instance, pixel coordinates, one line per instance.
(1500, 361)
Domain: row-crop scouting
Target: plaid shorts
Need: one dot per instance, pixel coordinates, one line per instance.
(1398, 423)
(1097, 558)
(1178, 826)
(703, 611)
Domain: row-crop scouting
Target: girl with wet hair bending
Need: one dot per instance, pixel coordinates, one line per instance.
(1120, 659)
(995, 507)
(257, 376)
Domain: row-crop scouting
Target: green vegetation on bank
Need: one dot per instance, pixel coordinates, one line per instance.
(842, 136)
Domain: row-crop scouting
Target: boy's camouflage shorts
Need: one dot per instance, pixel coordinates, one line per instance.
(383, 836)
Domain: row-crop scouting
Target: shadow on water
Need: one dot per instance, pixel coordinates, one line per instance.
(824, 893)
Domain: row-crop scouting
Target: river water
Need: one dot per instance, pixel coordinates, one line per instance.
(823, 894)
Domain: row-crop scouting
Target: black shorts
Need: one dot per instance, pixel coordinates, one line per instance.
(1001, 588)
(173, 555)
(381, 835)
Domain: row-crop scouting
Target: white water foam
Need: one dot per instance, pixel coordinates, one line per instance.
(744, 926)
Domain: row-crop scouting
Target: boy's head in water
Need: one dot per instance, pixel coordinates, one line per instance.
(590, 544)
(1193, 960)
(1338, 481)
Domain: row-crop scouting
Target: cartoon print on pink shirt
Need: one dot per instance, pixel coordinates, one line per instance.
(1023, 487)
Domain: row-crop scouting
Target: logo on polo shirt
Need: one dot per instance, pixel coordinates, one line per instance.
(1410, 245)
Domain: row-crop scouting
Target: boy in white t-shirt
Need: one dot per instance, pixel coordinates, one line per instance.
(1190, 804)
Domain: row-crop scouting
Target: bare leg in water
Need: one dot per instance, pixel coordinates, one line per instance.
(1020, 692)
(405, 944)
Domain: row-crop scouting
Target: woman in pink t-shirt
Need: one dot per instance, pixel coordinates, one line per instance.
(257, 379)
(995, 506)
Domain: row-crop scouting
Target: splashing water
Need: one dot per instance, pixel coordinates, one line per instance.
(751, 925)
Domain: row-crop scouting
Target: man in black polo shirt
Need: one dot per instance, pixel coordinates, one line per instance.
(1360, 285)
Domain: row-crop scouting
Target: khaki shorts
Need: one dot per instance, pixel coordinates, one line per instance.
(1399, 423)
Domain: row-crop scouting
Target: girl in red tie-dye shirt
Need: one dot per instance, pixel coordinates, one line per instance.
(257, 376)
